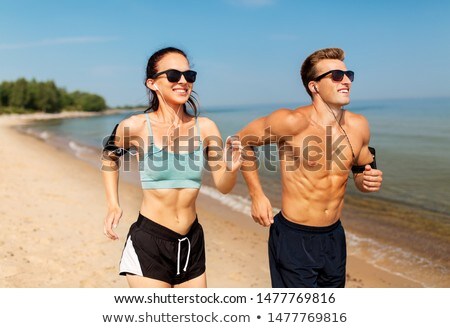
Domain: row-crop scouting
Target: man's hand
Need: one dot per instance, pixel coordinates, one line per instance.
(262, 210)
(372, 179)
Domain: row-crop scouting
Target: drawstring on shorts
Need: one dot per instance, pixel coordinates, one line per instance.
(179, 254)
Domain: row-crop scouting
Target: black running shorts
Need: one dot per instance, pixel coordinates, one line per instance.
(303, 256)
(156, 252)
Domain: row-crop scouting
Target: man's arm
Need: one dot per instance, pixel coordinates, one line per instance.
(370, 179)
(252, 136)
(264, 130)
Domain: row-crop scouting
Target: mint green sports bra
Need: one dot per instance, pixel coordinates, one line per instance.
(162, 169)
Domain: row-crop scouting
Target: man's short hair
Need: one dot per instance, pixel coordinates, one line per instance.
(308, 71)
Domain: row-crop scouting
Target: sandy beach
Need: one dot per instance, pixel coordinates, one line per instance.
(52, 210)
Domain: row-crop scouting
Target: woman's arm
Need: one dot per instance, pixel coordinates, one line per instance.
(110, 173)
(112, 151)
(224, 162)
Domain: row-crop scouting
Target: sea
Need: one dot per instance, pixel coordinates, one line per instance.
(408, 227)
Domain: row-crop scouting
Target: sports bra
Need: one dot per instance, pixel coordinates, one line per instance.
(162, 169)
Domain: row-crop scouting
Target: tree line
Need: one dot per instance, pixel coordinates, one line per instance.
(22, 96)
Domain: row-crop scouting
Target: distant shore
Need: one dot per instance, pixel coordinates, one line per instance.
(63, 114)
(52, 214)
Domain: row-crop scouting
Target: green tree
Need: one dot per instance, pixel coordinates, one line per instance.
(19, 93)
(33, 95)
(5, 93)
(21, 96)
(49, 98)
(67, 101)
(89, 102)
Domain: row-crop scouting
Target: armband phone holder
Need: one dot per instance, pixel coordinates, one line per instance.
(361, 168)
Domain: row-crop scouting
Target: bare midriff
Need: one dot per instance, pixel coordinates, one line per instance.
(172, 208)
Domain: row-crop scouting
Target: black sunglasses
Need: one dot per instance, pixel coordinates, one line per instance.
(337, 75)
(174, 75)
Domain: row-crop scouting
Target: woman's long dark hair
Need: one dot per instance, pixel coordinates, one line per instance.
(151, 71)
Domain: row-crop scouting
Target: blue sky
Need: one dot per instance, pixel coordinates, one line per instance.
(245, 51)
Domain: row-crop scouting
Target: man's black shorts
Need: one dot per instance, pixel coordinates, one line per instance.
(304, 256)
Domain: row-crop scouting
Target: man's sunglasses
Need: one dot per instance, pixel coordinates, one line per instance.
(337, 75)
(174, 75)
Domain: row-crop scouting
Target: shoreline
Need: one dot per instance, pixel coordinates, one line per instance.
(36, 234)
(64, 114)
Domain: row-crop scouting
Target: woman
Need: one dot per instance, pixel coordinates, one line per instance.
(165, 247)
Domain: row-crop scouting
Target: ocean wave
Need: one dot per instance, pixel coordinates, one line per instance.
(408, 265)
(79, 149)
(43, 135)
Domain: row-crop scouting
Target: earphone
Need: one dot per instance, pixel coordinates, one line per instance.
(156, 87)
(315, 88)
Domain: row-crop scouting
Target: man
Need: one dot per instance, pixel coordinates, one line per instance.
(318, 145)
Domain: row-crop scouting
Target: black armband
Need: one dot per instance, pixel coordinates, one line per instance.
(110, 147)
(361, 168)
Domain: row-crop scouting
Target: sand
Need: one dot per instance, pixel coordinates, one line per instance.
(52, 209)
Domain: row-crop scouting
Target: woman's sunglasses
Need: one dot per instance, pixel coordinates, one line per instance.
(337, 75)
(174, 75)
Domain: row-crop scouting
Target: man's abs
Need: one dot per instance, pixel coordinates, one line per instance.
(314, 200)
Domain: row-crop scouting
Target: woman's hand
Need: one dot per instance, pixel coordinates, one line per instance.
(111, 222)
(233, 153)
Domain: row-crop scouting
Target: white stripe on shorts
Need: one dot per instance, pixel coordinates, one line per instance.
(130, 261)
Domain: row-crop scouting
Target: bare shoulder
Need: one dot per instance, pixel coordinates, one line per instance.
(207, 126)
(359, 124)
(357, 121)
(134, 124)
(205, 121)
(354, 117)
(209, 132)
(286, 121)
